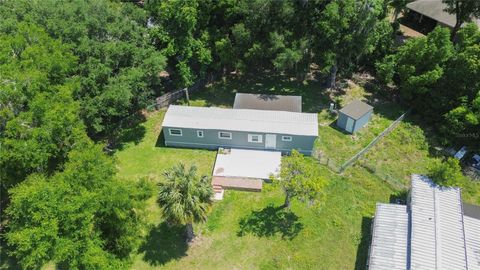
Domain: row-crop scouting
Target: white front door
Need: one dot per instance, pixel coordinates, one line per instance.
(270, 141)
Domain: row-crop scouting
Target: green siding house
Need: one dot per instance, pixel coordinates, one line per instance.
(354, 116)
(211, 128)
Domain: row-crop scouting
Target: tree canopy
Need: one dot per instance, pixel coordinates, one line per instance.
(300, 179)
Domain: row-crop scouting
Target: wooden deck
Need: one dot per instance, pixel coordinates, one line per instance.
(239, 183)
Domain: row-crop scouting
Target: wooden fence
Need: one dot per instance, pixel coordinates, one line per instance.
(170, 97)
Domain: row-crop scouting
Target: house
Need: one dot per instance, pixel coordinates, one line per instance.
(268, 102)
(211, 128)
(435, 230)
(354, 116)
(432, 13)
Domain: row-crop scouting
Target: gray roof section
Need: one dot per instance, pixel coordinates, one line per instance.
(268, 102)
(437, 233)
(435, 9)
(471, 210)
(388, 250)
(472, 238)
(261, 121)
(356, 109)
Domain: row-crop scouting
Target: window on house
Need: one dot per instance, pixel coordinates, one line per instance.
(175, 132)
(287, 138)
(224, 135)
(255, 138)
(200, 133)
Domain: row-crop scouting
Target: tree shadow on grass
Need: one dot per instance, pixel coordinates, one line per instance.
(364, 245)
(131, 130)
(271, 221)
(163, 244)
(7, 261)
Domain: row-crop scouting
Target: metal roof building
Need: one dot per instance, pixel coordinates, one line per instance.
(435, 9)
(211, 128)
(242, 120)
(440, 234)
(437, 234)
(389, 240)
(268, 102)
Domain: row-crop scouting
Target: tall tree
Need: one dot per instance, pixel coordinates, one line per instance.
(300, 179)
(81, 218)
(342, 30)
(464, 11)
(118, 67)
(39, 121)
(185, 197)
(418, 64)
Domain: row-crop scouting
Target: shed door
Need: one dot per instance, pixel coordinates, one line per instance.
(349, 126)
(270, 141)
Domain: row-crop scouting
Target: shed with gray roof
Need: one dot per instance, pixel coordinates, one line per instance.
(354, 116)
(211, 128)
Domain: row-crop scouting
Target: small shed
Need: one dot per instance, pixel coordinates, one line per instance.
(354, 116)
(268, 102)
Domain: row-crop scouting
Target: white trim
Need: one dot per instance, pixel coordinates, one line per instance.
(225, 138)
(238, 146)
(287, 138)
(200, 132)
(258, 136)
(175, 129)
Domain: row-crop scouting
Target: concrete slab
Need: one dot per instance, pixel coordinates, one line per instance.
(243, 163)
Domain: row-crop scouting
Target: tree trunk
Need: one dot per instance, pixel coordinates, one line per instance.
(190, 234)
(455, 30)
(286, 204)
(187, 96)
(395, 14)
(458, 22)
(333, 76)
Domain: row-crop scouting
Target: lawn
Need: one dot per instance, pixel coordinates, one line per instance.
(248, 230)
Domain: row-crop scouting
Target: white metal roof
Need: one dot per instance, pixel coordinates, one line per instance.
(437, 233)
(388, 250)
(248, 120)
(472, 237)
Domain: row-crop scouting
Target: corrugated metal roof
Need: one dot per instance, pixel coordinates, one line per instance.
(388, 250)
(472, 237)
(435, 9)
(437, 234)
(356, 109)
(268, 102)
(279, 122)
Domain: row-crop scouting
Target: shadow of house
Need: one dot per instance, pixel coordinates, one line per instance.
(364, 245)
(163, 244)
(271, 221)
(222, 93)
(160, 139)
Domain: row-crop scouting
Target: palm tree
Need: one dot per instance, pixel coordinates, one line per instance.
(185, 197)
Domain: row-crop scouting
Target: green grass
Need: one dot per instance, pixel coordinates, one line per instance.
(328, 235)
(270, 238)
(247, 230)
